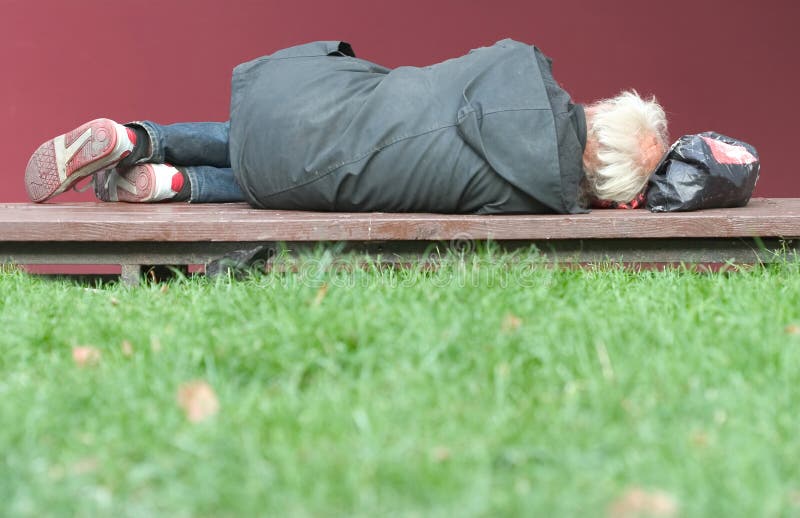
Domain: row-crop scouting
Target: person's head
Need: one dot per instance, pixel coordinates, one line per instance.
(625, 139)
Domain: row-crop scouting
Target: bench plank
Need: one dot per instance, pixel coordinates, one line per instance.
(181, 222)
(688, 250)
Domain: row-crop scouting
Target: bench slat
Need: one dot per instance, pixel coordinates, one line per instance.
(120, 222)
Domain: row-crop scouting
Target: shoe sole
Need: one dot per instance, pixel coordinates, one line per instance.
(135, 185)
(58, 163)
(142, 178)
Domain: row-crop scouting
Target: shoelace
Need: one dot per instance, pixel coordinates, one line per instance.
(92, 182)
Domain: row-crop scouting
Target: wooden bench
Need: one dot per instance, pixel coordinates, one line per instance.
(133, 235)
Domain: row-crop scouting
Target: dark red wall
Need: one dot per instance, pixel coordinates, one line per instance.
(713, 64)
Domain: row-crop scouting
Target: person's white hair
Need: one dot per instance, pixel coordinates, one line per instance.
(629, 136)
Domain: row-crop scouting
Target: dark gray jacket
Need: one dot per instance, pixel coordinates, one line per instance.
(314, 128)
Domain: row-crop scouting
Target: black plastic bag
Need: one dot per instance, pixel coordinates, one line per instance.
(704, 171)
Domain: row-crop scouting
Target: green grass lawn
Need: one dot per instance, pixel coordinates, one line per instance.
(485, 388)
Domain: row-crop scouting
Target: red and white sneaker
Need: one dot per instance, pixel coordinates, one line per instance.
(62, 161)
(138, 184)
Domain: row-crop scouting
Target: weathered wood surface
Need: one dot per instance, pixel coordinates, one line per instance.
(180, 222)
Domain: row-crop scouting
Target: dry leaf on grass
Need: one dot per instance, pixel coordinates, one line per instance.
(792, 329)
(83, 466)
(198, 401)
(637, 502)
(441, 454)
(320, 295)
(85, 355)
(511, 322)
(699, 438)
(127, 348)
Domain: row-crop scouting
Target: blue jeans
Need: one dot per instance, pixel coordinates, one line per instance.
(199, 149)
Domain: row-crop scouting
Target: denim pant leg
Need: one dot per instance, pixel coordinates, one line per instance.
(200, 149)
(211, 184)
(188, 143)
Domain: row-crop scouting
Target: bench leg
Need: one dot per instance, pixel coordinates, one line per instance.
(164, 272)
(131, 274)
